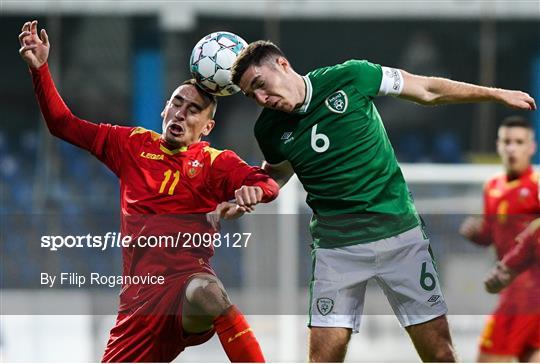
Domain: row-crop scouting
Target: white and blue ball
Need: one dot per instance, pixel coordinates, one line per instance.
(211, 61)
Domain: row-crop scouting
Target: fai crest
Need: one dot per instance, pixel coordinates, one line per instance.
(337, 102)
(194, 168)
(325, 305)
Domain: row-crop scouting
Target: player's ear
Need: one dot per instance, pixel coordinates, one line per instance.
(283, 63)
(208, 127)
(164, 108)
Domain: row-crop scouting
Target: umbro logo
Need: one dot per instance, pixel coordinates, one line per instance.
(287, 137)
(434, 300)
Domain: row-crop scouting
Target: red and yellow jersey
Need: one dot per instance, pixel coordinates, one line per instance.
(524, 259)
(526, 254)
(509, 207)
(155, 179)
(163, 191)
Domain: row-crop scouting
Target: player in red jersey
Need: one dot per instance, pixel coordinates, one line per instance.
(163, 178)
(525, 256)
(511, 202)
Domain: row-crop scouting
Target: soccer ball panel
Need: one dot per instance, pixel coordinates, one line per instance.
(222, 77)
(196, 55)
(225, 41)
(206, 67)
(225, 58)
(210, 48)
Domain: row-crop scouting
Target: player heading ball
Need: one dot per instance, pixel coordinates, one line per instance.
(324, 127)
(165, 180)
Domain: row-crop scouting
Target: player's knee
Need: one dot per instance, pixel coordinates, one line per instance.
(328, 344)
(444, 354)
(207, 295)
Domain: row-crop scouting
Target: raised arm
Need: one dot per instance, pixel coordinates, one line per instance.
(437, 91)
(60, 121)
(281, 172)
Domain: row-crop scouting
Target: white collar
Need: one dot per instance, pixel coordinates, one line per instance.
(307, 99)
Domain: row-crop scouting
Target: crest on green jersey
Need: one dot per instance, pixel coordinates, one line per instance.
(337, 102)
(325, 305)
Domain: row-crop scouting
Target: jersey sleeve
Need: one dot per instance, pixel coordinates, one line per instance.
(263, 135)
(111, 144)
(230, 172)
(365, 76)
(102, 140)
(521, 256)
(59, 119)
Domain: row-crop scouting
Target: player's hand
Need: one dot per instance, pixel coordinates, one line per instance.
(248, 196)
(34, 48)
(471, 227)
(517, 100)
(224, 211)
(499, 278)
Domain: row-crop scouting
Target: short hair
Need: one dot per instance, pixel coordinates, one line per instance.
(516, 121)
(212, 99)
(254, 54)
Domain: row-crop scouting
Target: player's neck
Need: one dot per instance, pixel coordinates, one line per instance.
(178, 146)
(300, 86)
(513, 175)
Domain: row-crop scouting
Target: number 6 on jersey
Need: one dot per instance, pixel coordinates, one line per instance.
(316, 137)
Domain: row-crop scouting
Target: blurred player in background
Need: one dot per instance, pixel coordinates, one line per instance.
(325, 128)
(524, 255)
(163, 178)
(511, 202)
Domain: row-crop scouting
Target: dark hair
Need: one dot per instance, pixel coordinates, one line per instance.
(253, 55)
(517, 121)
(212, 99)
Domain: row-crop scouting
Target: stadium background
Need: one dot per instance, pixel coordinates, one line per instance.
(117, 61)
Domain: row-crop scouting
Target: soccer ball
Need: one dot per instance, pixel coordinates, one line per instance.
(211, 61)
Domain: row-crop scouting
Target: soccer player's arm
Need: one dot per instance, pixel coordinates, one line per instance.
(481, 233)
(430, 90)
(102, 140)
(274, 164)
(517, 260)
(98, 139)
(521, 256)
(59, 119)
(280, 172)
(230, 174)
(437, 91)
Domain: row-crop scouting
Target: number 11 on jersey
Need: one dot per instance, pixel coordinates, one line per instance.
(167, 175)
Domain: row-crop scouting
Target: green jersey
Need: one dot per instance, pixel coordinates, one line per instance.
(339, 149)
